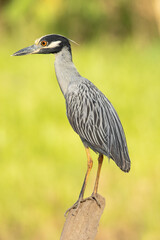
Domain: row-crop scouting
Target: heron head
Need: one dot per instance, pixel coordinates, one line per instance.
(51, 43)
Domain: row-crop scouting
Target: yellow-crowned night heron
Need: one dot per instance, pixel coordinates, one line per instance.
(89, 112)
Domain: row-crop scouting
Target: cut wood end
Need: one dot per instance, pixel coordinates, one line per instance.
(82, 223)
(89, 204)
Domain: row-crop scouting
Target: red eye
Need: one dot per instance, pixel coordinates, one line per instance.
(44, 43)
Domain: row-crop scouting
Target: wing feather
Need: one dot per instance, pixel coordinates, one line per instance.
(95, 120)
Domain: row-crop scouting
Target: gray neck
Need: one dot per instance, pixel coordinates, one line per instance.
(65, 70)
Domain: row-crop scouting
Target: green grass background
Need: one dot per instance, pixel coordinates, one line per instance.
(42, 160)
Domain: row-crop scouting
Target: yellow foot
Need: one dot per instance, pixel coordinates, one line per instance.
(75, 206)
(92, 197)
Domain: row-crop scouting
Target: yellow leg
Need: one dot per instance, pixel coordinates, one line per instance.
(89, 167)
(100, 161)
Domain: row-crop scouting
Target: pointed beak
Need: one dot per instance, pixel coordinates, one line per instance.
(28, 50)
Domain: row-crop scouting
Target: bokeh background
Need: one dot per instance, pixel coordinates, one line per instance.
(42, 161)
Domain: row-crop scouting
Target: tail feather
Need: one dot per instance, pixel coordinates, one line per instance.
(122, 159)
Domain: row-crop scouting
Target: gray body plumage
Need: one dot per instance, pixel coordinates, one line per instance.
(90, 113)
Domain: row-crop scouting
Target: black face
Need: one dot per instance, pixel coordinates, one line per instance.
(45, 45)
(54, 43)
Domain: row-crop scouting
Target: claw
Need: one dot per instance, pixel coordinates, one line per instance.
(92, 197)
(75, 206)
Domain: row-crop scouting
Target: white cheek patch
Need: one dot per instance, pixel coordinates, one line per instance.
(53, 44)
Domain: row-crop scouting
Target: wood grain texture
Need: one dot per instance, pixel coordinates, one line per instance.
(82, 223)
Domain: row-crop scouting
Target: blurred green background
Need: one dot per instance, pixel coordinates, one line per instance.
(42, 160)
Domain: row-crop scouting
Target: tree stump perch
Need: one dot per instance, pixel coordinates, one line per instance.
(82, 223)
